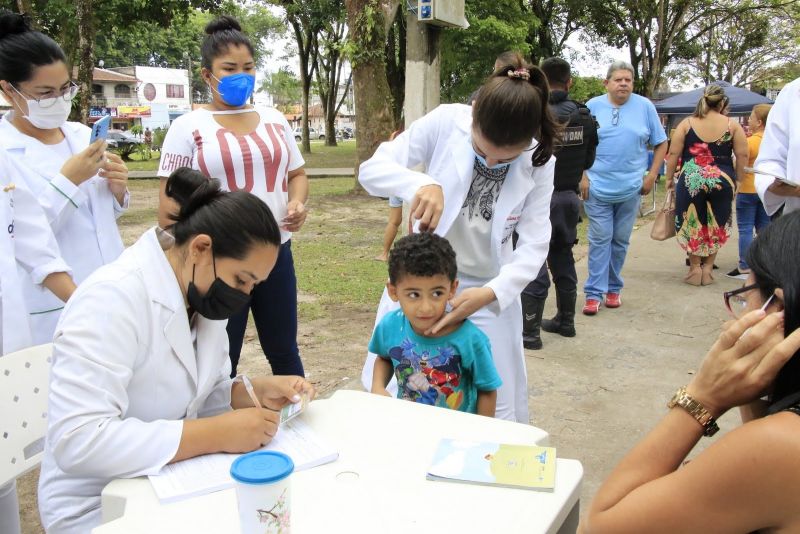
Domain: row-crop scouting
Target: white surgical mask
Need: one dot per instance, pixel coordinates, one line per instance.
(48, 113)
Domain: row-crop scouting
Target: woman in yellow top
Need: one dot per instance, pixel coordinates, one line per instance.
(750, 212)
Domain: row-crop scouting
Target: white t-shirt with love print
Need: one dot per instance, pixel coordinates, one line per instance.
(257, 162)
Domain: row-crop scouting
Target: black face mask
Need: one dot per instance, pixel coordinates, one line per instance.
(221, 301)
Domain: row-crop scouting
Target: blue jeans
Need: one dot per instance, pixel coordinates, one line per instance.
(750, 214)
(610, 227)
(274, 305)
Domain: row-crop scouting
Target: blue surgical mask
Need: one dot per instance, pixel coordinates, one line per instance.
(236, 89)
(496, 167)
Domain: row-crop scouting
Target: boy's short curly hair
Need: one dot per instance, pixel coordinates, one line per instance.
(422, 254)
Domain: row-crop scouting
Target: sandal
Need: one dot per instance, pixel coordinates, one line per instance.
(694, 278)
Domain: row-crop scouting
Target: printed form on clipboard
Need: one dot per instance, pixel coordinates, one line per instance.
(211, 472)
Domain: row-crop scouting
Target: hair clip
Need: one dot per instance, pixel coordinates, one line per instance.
(522, 74)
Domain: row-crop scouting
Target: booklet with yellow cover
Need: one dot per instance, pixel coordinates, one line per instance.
(496, 464)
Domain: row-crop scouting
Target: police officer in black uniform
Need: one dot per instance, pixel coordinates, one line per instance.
(574, 156)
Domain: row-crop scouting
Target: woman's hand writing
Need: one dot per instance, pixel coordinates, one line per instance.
(246, 429)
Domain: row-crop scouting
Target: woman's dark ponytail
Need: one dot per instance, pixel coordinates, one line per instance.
(512, 108)
(23, 49)
(235, 221)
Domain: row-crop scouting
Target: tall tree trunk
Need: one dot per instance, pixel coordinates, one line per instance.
(85, 16)
(307, 53)
(396, 65)
(374, 118)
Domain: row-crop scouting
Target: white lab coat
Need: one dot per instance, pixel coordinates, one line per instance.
(441, 142)
(127, 370)
(26, 242)
(83, 218)
(779, 154)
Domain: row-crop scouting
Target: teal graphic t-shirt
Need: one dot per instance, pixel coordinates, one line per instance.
(446, 371)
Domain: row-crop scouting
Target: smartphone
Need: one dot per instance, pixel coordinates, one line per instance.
(100, 129)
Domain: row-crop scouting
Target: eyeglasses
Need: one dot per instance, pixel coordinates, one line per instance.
(49, 99)
(614, 116)
(736, 301)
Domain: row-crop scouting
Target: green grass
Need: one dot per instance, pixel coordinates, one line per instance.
(335, 249)
(147, 165)
(321, 156)
(331, 157)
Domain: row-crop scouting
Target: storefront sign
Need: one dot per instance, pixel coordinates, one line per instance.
(133, 111)
(97, 112)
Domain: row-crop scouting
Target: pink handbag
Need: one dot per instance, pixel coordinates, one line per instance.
(664, 225)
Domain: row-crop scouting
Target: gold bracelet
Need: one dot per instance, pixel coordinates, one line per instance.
(696, 410)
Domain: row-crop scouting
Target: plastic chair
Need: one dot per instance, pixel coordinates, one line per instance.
(24, 379)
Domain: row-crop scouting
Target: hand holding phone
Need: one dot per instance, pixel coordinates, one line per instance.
(85, 164)
(100, 129)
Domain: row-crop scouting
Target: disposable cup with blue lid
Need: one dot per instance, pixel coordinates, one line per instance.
(263, 491)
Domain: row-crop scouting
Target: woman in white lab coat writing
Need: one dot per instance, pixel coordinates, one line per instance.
(81, 188)
(140, 374)
(488, 172)
(25, 241)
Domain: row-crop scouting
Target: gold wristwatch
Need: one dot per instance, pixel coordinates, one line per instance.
(696, 410)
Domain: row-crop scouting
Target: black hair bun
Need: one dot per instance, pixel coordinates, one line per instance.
(223, 23)
(13, 23)
(191, 190)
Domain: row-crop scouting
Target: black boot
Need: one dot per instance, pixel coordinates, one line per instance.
(532, 309)
(564, 321)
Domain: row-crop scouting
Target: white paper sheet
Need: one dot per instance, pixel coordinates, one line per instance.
(211, 472)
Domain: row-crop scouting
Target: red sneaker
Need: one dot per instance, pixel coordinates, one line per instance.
(613, 300)
(591, 307)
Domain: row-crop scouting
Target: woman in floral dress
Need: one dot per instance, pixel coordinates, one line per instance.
(706, 143)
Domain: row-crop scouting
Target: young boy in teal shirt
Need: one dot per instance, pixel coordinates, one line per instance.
(453, 369)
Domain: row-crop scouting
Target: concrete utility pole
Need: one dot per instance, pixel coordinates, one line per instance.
(422, 68)
(422, 77)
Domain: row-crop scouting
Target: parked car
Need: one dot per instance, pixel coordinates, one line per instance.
(313, 133)
(120, 138)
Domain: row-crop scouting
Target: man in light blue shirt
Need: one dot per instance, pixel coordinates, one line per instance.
(612, 187)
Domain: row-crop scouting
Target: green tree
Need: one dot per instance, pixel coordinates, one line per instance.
(330, 42)
(284, 87)
(586, 87)
(468, 55)
(306, 18)
(557, 21)
(658, 32)
(146, 42)
(745, 49)
(77, 25)
(369, 22)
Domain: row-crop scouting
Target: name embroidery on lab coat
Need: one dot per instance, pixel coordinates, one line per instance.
(7, 189)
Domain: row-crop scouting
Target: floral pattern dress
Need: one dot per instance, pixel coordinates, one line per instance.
(704, 194)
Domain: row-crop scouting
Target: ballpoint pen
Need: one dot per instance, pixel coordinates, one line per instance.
(250, 391)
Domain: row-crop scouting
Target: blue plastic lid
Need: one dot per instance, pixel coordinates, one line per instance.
(261, 467)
